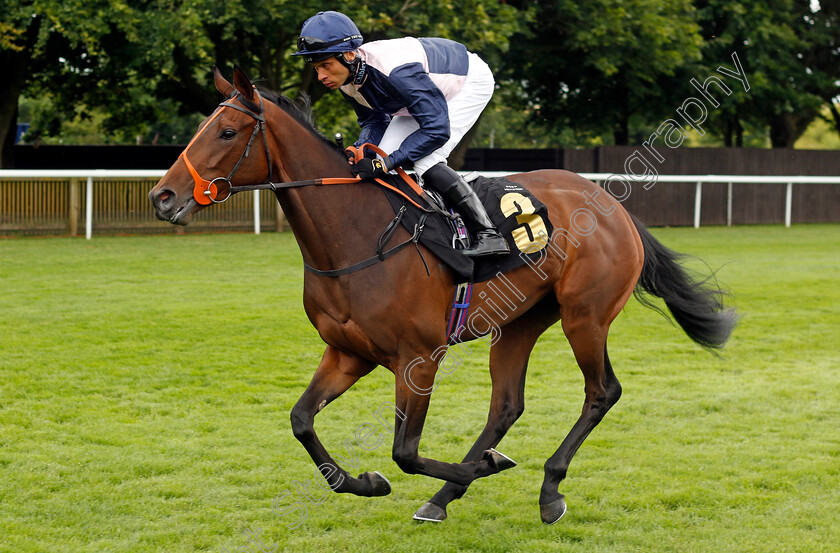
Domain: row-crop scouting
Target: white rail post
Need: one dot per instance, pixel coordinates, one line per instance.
(729, 205)
(788, 203)
(89, 208)
(256, 211)
(698, 193)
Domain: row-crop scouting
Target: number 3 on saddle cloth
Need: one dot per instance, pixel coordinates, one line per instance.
(520, 217)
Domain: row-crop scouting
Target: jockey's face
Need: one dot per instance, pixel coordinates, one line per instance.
(331, 72)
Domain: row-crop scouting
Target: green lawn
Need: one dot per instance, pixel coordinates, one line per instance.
(146, 382)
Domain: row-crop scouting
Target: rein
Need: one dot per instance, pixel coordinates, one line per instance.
(220, 189)
(274, 186)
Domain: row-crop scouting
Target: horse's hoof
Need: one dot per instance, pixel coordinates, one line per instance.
(498, 460)
(430, 513)
(378, 482)
(554, 511)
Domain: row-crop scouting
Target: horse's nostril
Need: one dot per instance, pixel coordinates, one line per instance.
(164, 199)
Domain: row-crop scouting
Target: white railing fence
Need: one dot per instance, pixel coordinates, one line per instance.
(89, 176)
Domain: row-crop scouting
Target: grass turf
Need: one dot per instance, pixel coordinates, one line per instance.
(145, 386)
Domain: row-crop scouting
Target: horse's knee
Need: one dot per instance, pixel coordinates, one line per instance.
(406, 460)
(301, 424)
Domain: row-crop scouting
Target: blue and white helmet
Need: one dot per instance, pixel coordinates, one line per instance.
(326, 34)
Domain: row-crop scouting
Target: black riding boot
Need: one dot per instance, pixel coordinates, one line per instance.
(455, 190)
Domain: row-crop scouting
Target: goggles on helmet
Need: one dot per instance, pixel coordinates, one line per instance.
(308, 44)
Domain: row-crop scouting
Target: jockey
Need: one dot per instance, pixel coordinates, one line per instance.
(414, 98)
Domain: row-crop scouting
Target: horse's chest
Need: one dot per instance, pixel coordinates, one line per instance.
(340, 319)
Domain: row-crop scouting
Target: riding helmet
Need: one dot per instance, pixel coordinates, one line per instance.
(326, 34)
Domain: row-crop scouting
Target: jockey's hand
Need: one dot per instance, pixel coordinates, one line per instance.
(367, 168)
(351, 153)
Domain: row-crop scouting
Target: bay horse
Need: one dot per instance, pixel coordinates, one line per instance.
(394, 313)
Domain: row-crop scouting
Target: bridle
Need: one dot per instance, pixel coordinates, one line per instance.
(220, 189)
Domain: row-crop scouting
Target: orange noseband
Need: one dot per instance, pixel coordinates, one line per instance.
(219, 189)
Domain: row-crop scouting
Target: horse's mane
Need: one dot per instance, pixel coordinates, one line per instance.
(300, 111)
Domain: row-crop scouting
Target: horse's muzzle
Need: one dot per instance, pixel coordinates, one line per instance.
(169, 208)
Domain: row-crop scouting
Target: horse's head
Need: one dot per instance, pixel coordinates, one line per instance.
(220, 152)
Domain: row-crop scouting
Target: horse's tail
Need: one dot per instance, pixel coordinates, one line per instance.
(696, 303)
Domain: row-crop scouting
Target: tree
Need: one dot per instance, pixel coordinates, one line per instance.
(46, 36)
(140, 60)
(786, 56)
(821, 22)
(599, 66)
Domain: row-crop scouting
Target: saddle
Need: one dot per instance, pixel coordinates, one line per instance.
(520, 217)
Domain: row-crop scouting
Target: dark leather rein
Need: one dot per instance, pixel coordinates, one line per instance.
(220, 189)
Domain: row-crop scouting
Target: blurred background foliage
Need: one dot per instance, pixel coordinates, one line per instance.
(568, 73)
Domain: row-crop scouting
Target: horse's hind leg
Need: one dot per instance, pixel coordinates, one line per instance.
(508, 364)
(602, 389)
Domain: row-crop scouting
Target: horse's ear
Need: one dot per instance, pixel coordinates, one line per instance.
(243, 83)
(222, 85)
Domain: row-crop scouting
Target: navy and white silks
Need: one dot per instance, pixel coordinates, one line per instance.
(419, 97)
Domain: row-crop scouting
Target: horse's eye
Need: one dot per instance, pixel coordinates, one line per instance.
(228, 134)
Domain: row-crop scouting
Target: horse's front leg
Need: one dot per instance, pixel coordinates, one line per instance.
(415, 383)
(336, 373)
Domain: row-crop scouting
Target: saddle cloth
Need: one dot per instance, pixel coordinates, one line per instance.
(520, 217)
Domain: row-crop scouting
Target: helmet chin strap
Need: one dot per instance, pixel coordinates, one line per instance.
(357, 67)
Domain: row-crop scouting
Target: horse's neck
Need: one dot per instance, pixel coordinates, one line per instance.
(335, 225)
